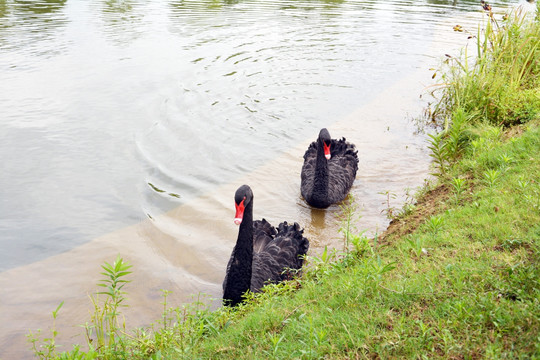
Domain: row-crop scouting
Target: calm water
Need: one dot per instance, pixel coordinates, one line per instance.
(126, 127)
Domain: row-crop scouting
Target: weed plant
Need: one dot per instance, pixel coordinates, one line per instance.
(458, 184)
(388, 210)
(355, 242)
(47, 349)
(106, 323)
(435, 224)
(447, 146)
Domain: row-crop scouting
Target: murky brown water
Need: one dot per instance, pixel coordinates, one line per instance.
(127, 127)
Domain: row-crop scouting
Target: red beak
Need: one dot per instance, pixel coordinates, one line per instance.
(327, 151)
(239, 212)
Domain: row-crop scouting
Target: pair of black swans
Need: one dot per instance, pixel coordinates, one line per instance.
(264, 253)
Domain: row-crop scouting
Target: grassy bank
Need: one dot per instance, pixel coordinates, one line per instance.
(454, 276)
(458, 278)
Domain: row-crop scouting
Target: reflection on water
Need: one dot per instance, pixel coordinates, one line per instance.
(127, 126)
(122, 20)
(30, 24)
(39, 7)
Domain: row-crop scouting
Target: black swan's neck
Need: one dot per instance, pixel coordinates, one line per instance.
(245, 232)
(320, 183)
(240, 271)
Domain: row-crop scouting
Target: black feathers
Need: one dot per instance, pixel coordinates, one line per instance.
(262, 253)
(284, 251)
(327, 181)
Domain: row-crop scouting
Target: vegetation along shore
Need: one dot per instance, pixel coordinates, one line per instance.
(455, 276)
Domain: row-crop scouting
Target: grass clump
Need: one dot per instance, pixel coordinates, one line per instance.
(499, 84)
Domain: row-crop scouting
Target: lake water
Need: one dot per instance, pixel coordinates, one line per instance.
(126, 127)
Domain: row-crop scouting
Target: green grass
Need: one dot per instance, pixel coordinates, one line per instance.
(456, 276)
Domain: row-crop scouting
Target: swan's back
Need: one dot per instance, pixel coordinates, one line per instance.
(275, 250)
(342, 168)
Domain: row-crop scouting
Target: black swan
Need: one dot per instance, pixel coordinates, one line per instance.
(329, 170)
(262, 252)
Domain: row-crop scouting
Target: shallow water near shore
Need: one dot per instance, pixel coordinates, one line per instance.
(128, 127)
(185, 250)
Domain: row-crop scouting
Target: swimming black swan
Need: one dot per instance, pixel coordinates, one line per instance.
(262, 252)
(329, 170)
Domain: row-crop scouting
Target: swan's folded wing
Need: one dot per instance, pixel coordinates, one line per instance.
(342, 169)
(224, 285)
(263, 233)
(311, 152)
(308, 170)
(285, 251)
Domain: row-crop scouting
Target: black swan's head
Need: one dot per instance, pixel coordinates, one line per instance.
(243, 196)
(324, 138)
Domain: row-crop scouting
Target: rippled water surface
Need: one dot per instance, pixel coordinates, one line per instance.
(126, 127)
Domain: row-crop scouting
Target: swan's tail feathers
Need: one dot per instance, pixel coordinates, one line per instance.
(344, 148)
(303, 243)
(299, 244)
